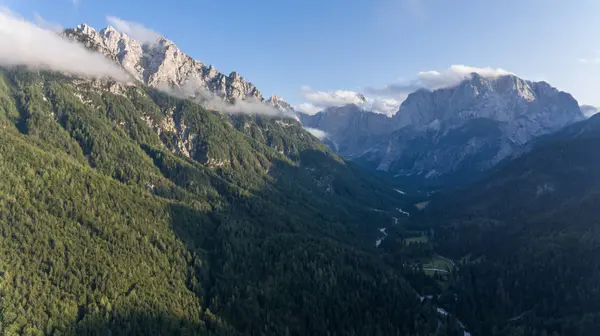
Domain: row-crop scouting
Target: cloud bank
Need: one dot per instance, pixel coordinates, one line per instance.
(320, 100)
(135, 30)
(331, 98)
(24, 43)
(387, 99)
(193, 90)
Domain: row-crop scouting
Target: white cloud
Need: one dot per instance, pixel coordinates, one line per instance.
(243, 106)
(383, 105)
(75, 2)
(433, 80)
(194, 91)
(589, 110)
(452, 76)
(316, 133)
(320, 100)
(331, 98)
(42, 23)
(594, 59)
(24, 43)
(307, 108)
(135, 30)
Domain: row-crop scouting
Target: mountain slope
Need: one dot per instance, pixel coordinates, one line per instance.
(352, 130)
(451, 135)
(531, 229)
(129, 211)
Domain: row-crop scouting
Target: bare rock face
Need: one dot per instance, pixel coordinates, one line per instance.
(452, 133)
(280, 104)
(162, 64)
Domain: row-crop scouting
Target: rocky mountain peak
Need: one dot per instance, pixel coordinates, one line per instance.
(505, 98)
(84, 28)
(450, 132)
(281, 104)
(108, 29)
(275, 98)
(163, 64)
(505, 84)
(362, 98)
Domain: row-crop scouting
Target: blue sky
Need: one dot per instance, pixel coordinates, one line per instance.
(322, 51)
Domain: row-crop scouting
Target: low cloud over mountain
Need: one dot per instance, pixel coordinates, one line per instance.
(387, 99)
(25, 43)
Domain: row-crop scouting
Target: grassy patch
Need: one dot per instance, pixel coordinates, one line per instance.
(422, 239)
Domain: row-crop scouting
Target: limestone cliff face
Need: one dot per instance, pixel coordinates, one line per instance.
(442, 134)
(162, 64)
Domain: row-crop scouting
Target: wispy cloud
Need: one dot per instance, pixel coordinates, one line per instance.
(25, 43)
(194, 91)
(316, 132)
(433, 80)
(589, 110)
(594, 60)
(75, 2)
(42, 23)
(135, 30)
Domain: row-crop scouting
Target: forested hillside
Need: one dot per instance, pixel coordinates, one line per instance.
(528, 238)
(128, 211)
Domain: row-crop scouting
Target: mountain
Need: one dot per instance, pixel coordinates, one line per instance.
(126, 210)
(351, 129)
(451, 135)
(554, 168)
(529, 238)
(163, 65)
(281, 105)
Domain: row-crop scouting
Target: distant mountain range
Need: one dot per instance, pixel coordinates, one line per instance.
(440, 137)
(449, 135)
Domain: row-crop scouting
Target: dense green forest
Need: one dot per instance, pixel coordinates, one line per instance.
(124, 210)
(128, 211)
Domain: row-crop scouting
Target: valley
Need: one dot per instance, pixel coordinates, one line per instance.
(145, 192)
